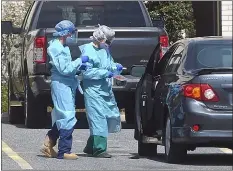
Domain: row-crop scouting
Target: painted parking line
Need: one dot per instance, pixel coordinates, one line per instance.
(14, 156)
(226, 150)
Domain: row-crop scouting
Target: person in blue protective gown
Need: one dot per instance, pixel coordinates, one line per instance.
(103, 114)
(63, 88)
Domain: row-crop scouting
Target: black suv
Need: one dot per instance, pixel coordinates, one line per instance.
(184, 100)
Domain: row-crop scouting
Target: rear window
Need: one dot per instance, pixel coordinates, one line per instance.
(92, 13)
(210, 56)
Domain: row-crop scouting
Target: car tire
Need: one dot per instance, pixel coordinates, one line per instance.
(175, 153)
(15, 113)
(146, 149)
(130, 109)
(35, 108)
(129, 114)
(137, 120)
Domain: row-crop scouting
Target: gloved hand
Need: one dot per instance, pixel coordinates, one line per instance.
(110, 74)
(83, 67)
(119, 67)
(84, 59)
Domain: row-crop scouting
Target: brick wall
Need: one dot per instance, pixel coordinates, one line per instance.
(227, 18)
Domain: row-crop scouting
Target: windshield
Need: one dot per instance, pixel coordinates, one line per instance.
(92, 13)
(210, 56)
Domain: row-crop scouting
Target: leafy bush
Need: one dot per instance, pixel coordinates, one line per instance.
(178, 16)
(11, 11)
(4, 102)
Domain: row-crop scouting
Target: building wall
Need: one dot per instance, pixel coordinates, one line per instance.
(227, 18)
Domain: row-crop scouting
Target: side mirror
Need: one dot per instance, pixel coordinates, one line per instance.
(16, 30)
(138, 70)
(158, 23)
(7, 28)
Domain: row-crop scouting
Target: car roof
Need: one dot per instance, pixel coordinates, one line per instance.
(205, 39)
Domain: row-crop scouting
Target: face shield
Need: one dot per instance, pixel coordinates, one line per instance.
(108, 42)
(72, 38)
(104, 36)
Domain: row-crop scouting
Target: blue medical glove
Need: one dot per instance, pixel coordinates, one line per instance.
(110, 74)
(119, 67)
(83, 67)
(84, 59)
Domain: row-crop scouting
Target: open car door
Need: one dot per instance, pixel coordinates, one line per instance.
(145, 97)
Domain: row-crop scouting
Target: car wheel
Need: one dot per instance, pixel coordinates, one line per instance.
(137, 116)
(129, 115)
(174, 153)
(15, 113)
(35, 109)
(146, 149)
(130, 109)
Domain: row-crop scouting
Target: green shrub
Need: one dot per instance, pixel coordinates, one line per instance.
(178, 16)
(4, 102)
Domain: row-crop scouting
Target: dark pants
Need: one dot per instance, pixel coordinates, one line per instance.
(65, 140)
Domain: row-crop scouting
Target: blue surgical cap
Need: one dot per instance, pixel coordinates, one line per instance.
(64, 28)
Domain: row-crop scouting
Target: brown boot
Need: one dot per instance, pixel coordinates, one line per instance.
(70, 156)
(47, 148)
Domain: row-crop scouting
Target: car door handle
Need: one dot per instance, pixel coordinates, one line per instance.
(155, 85)
(144, 97)
(157, 77)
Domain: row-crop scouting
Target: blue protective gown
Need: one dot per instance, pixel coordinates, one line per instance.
(64, 85)
(102, 112)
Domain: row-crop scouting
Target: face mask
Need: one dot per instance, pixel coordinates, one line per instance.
(108, 42)
(104, 46)
(73, 39)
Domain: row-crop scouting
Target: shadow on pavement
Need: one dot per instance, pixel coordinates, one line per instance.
(42, 156)
(81, 124)
(195, 159)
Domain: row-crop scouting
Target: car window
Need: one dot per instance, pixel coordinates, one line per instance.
(214, 56)
(210, 55)
(92, 13)
(159, 69)
(173, 64)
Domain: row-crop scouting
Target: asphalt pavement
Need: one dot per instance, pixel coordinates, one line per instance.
(20, 150)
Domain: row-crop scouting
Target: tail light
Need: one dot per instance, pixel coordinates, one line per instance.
(39, 50)
(164, 44)
(195, 128)
(201, 92)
